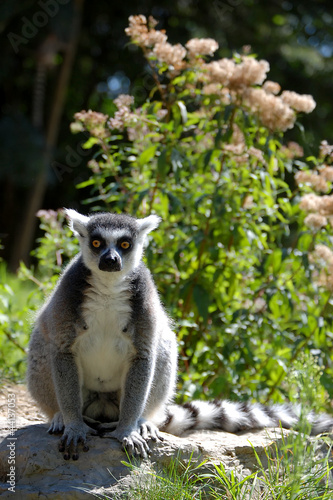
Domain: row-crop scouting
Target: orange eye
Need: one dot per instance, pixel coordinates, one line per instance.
(96, 243)
(125, 245)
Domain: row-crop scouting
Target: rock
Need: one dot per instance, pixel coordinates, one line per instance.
(41, 472)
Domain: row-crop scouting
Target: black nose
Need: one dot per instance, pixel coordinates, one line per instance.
(110, 261)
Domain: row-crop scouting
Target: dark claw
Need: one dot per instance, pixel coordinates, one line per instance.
(74, 437)
(53, 431)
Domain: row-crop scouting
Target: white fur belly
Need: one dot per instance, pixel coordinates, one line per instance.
(104, 350)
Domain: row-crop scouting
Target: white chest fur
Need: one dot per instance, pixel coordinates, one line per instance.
(104, 349)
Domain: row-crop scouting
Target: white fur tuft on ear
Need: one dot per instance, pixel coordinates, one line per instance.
(77, 222)
(148, 224)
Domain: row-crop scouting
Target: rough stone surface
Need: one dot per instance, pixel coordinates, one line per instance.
(41, 472)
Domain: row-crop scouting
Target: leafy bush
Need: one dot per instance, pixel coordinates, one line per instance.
(17, 303)
(233, 258)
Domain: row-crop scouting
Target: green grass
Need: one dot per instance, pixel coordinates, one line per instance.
(296, 471)
(179, 481)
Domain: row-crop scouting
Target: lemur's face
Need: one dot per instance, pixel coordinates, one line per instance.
(111, 242)
(112, 247)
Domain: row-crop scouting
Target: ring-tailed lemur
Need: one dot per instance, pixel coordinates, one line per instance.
(103, 350)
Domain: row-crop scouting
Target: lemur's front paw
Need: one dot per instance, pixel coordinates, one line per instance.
(132, 441)
(57, 424)
(148, 430)
(74, 434)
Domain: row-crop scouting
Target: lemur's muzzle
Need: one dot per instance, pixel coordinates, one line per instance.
(110, 261)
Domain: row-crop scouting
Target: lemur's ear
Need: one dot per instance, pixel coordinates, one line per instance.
(148, 224)
(77, 222)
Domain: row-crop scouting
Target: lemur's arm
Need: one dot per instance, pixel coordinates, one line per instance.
(134, 397)
(67, 386)
(68, 391)
(62, 335)
(135, 392)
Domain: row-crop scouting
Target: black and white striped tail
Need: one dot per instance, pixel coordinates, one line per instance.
(234, 417)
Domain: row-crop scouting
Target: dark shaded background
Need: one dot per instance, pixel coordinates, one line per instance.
(61, 56)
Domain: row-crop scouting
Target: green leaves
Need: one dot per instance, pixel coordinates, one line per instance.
(90, 143)
(146, 155)
(202, 300)
(163, 164)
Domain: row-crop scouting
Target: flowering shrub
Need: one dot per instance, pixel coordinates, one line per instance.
(320, 212)
(235, 265)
